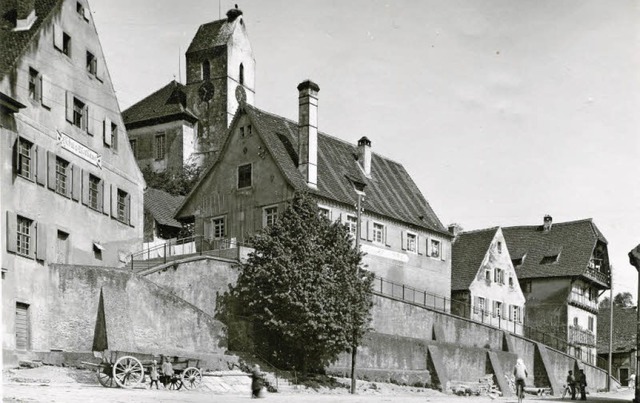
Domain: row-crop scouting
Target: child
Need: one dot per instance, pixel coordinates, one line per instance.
(167, 371)
(256, 382)
(153, 374)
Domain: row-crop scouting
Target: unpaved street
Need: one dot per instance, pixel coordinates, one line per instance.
(77, 393)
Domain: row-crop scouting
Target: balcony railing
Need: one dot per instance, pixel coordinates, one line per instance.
(599, 276)
(583, 301)
(581, 337)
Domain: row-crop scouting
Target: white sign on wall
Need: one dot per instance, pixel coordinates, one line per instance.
(78, 149)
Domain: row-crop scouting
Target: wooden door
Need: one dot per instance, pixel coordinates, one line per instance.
(624, 376)
(22, 326)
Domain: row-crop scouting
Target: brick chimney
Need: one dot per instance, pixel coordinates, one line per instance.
(364, 155)
(548, 221)
(25, 14)
(455, 229)
(233, 14)
(308, 131)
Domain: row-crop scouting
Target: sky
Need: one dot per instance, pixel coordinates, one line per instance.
(502, 111)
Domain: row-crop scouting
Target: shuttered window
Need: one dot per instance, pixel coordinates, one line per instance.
(22, 326)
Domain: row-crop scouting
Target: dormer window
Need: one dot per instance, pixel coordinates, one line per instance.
(206, 70)
(499, 247)
(241, 75)
(549, 259)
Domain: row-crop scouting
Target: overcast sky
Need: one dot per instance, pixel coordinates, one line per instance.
(502, 111)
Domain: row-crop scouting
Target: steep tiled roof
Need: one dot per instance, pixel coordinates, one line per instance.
(166, 103)
(572, 241)
(389, 192)
(469, 250)
(13, 44)
(215, 33)
(162, 206)
(624, 329)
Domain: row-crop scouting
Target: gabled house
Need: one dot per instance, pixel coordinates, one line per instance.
(71, 188)
(265, 158)
(159, 224)
(186, 123)
(562, 269)
(484, 286)
(624, 346)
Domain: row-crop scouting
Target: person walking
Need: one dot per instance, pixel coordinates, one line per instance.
(582, 380)
(153, 374)
(571, 384)
(256, 381)
(520, 374)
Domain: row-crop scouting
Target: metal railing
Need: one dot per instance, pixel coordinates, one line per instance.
(464, 310)
(197, 245)
(182, 248)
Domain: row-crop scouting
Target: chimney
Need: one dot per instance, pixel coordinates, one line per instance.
(548, 221)
(364, 155)
(308, 131)
(233, 14)
(25, 14)
(455, 229)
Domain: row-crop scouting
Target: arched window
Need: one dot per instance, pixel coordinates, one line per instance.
(206, 70)
(241, 73)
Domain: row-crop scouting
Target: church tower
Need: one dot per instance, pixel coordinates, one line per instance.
(220, 73)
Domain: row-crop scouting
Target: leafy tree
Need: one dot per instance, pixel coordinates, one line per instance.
(622, 299)
(304, 288)
(177, 182)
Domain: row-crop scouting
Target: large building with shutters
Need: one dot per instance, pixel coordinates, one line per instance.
(71, 191)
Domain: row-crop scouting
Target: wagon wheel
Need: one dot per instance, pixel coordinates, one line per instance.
(105, 376)
(128, 372)
(174, 383)
(191, 378)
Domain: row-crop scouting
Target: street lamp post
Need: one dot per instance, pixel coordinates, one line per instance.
(354, 347)
(634, 260)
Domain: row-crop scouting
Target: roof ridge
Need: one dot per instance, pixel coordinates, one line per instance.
(475, 231)
(152, 94)
(582, 220)
(324, 134)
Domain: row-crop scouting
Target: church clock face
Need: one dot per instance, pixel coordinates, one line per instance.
(241, 94)
(205, 92)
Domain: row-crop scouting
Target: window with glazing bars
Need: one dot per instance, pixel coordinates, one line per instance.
(61, 176)
(122, 205)
(24, 235)
(94, 183)
(24, 158)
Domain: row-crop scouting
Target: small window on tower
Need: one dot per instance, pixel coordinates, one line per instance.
(206, 70)
(241, 79)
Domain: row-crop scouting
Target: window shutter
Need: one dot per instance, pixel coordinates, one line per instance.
(476, 304)
(38, 93)
(364, 225)
(114, 201)
(57, 36)
(77, 183)
(206, 229)
(85, 188)
(47, 91)
(51, 157)
(387, 241)
(91, 121)
(41, 241)
(106, 198)
(369, 230)
(403, 239)
(16, 152)
(69, 106)
(12, 232)
(443, 250)
(86, 13)
(85, 118)
(510, 312)
(99, 69)
(107, 131)
(428, 246)
(100, 194)
(41, 165)
(130, 210)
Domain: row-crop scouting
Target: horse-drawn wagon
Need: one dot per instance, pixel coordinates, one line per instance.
(127, 371)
